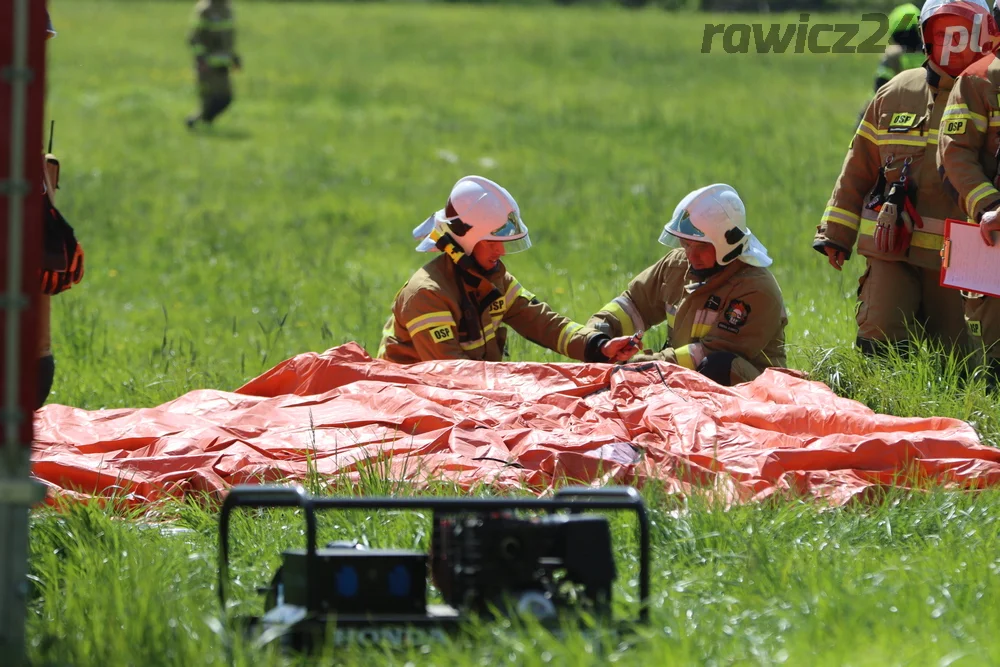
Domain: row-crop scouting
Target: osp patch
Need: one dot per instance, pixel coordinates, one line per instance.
(955, 126)
(901, 121)
(441, 334)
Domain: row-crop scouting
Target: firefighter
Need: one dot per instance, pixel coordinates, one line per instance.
(889, 197)
(213, 41)
(906, 51)
(723, 308)
(61, 266)
(456, 306)
(968, 152)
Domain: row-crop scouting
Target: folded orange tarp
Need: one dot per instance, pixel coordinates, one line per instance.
(510, 425)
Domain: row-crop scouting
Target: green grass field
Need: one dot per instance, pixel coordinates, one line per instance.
(211, 256)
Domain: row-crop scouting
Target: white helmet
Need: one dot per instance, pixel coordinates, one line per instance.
(478, 210)
(715, 214)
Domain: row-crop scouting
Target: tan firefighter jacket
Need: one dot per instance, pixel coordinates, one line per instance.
(738, 310)
(901, 123)
(442, 314)
(970, 139)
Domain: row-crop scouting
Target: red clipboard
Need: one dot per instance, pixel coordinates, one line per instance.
(967, 263)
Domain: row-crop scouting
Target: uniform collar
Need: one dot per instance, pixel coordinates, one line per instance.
(937, 78)
(731, 269)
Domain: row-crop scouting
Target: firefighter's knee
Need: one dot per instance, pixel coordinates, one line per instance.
(717, 367)
(46, 375)
(871, 347)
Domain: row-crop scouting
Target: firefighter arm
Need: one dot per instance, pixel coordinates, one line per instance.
(961, 140)
(636, 309)
(842, 217)
(432, 327)
(539, 323)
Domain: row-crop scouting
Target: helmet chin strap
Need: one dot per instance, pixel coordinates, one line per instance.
(705, 274)
(466, 266)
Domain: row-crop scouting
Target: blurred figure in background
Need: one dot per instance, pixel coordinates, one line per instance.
(61, 267)
(213, 40)
(906, 50)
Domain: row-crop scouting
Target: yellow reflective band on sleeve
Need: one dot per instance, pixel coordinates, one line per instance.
(684, 357)
(513, 291)
(994, 119)
(429, 321)
(979, 193)
(199, 49)
(700, 330)
(841, 216)
(961, 112)
(868, 131)
(564, 337)
(619, 314)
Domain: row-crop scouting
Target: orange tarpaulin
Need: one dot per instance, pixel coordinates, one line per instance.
(524, 425)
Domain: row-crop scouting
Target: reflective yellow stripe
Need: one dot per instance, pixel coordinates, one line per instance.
(616, 312)
(489, 333)
(430, 320)
(684, 359)
(868, 131)
(841, 216)
(918, 240)
(982, 191)
(214, 25)
(199, 49)
(927, 241)
(564, 337)
(670, 319)
(700, 330)
(902, 139)
(514, 291)
(960, 111)
(219, 61)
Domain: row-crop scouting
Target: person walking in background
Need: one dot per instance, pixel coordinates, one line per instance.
(213, 39)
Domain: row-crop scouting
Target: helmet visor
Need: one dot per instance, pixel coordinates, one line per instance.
(513, 234)
(680, 227)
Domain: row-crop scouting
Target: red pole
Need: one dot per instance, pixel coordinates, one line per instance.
(22, 96)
